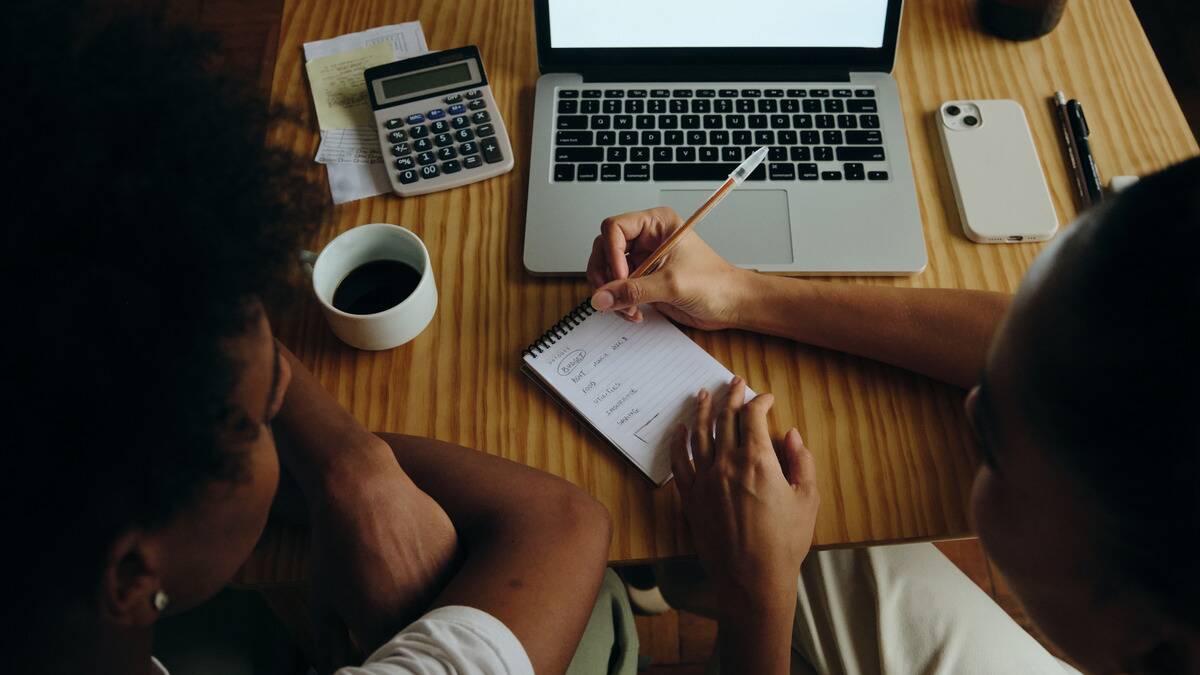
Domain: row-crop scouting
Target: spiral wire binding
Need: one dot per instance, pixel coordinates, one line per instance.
(558, 331)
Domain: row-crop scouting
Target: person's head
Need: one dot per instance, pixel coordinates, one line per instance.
(148, 220)
(1089, 419)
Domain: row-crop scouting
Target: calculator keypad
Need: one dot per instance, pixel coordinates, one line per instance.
(442, 141)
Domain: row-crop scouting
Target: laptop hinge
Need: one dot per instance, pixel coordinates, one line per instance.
(714, 74)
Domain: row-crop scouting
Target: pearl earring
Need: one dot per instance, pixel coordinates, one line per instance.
(161, 600)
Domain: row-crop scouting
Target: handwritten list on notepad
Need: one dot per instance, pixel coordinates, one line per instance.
(633, 383)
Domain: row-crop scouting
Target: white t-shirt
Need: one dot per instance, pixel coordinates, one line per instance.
(453, 640)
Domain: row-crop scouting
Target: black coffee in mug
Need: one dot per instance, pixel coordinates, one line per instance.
(375, 286)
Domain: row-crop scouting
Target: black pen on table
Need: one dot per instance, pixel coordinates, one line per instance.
(1075, 127)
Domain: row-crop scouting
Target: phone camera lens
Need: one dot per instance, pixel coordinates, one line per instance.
(970, 120)
(953, 110)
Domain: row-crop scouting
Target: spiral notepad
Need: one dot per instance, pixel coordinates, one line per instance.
(632, 383)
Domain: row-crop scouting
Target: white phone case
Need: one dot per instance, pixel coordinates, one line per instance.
(998, 182)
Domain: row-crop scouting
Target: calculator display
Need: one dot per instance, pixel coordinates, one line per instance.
(426, 79)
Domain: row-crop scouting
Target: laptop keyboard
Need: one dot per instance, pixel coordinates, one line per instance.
(703, 134)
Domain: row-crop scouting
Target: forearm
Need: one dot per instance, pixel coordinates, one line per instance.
(537, 545)
(757, 639)
(941, 333)
(319, 442)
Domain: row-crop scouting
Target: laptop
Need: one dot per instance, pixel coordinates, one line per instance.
(643, 103)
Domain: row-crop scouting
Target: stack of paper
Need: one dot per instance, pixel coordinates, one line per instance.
(349, 145)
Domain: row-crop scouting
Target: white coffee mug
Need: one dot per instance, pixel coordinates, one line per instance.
(356, 247)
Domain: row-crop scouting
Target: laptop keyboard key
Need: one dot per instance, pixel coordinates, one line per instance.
(635, 107)
(617, 154)
(668, 122)
(578, 154)
(591, 93)
(606, 138)
(678, 106)
(586, 172)
(854, 171)
(673, 137)
(689, 122)
(777, 154)
(685, 154)
(847, 121)
(780, 122)
(696, 138)
(610, 172)
(568, 93)
(682, 93)
(768, 105)
(701, 171)
(862, 153)
(764, 137)
(718, 137)
(877, 175)
(564, 172)
(656, 107)
(807, 171)
(651, 138)
(864, 93)
(831, 137)
(589, 107)
(637, 172)
(823, 154)
(730, 154)
(601, 122)
(842, 93)
(758, 121)
(831, 175)
(786, 137)
(568, 107)
(623, 122)
(742, 138)
(660, 93)
(780, 171)
(614, 93)
(863, 106)
(723, 106)
(802, 121)
(571, 122)
(639, 154)
(663, 155)
(869, 121)
(800, 154)
(709, 154)
(735, 121)
(573, 138)
(864, 137)
(811, 105)
(627, 138)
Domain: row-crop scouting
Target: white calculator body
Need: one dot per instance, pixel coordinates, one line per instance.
(438, 123)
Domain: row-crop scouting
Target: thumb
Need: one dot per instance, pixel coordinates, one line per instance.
(797, 461)
(629, 293)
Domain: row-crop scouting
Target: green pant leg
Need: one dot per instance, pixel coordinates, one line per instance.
(610, 643)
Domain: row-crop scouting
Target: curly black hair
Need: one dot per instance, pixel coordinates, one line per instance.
(146, 214)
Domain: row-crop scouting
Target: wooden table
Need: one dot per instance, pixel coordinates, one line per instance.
(893, 451)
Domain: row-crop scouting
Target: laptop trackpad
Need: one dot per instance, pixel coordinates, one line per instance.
(750, 227)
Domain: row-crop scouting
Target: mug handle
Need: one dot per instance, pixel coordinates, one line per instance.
(307, 260)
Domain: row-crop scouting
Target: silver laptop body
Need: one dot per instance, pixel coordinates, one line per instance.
(615, 131)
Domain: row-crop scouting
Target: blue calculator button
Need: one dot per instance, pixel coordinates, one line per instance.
(436, 114)
(457, 109)
(416, 118)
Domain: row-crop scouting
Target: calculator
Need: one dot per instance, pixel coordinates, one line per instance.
(437, 121)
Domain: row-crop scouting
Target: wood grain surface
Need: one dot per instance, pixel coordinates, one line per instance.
(893, 451)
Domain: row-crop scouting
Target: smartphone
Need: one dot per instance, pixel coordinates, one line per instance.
(998, 181)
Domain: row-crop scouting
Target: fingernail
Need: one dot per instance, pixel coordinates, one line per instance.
(735, 381)
(602, 300)
(797, 432)
(703, 395)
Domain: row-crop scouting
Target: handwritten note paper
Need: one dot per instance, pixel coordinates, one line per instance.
(633, 383)
(359, 145)
(339, 91)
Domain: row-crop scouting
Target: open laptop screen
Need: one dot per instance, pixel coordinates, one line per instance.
(707, 24)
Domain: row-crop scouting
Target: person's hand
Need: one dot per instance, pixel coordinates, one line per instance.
(692, 285)
(751, 504)
(382, 549)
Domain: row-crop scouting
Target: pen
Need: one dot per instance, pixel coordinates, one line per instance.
(1064, 122)
(735, 179)
(1087, 163)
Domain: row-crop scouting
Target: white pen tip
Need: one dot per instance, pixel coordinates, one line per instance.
(1060, 98)
(747, 167)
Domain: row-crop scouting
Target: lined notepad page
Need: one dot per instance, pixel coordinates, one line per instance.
(634, 383)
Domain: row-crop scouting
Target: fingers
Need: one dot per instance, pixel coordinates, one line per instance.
(702, 441)
(681, 465)
(798, 465)
(727, 438)
(756, 435)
